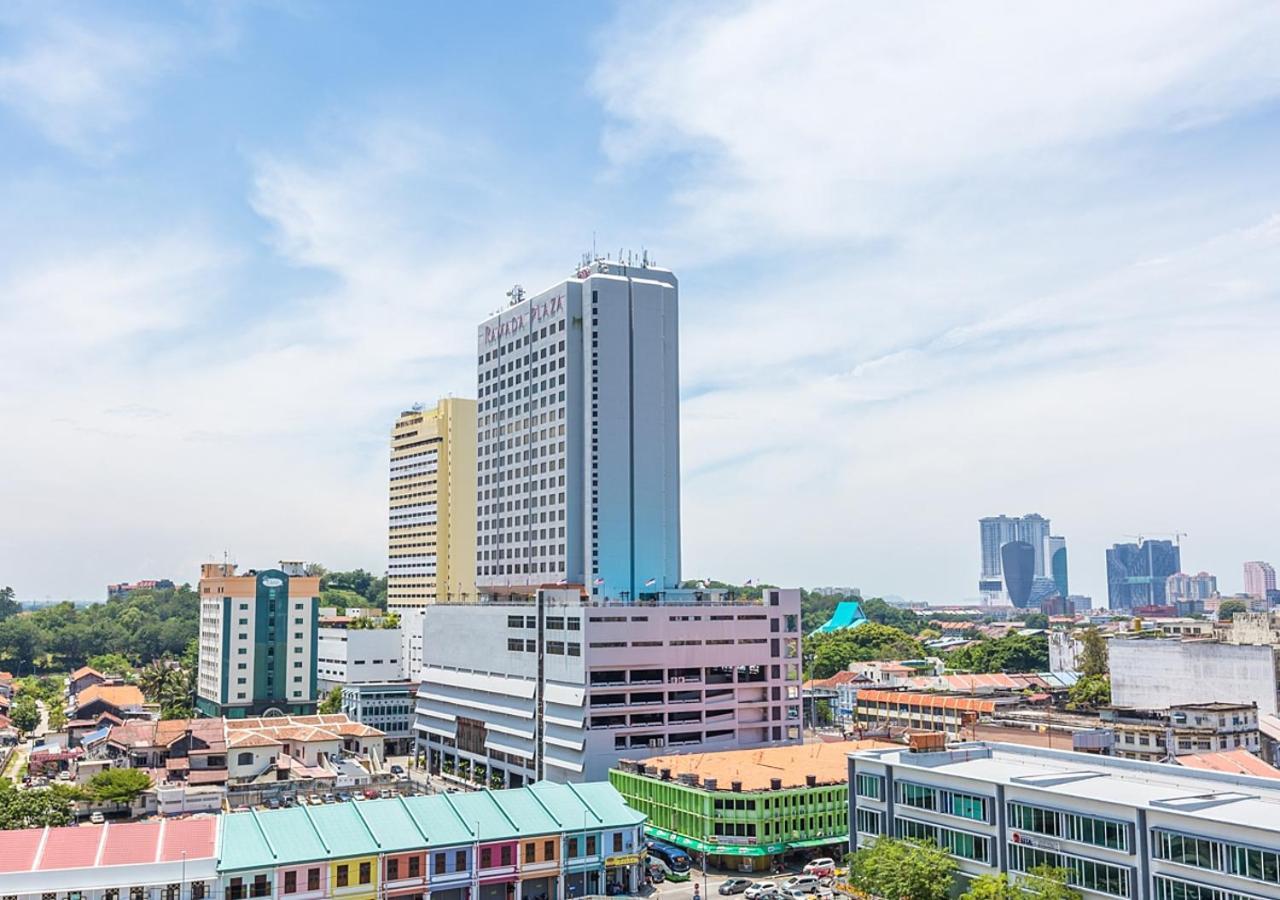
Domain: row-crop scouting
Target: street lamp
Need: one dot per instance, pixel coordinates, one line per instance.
(706, 843)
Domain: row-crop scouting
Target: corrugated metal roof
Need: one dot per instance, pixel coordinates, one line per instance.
(252, 840)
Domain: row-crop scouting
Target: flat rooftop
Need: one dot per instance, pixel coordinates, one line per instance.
(1225, 797)
(756, 769)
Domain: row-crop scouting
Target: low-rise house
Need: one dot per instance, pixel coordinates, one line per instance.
(82, 678)
(299, 747)
(193, 750)
(1157, 735)
(125, 701)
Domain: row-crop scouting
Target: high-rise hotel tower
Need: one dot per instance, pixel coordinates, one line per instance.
(432, 524)
(578, 463)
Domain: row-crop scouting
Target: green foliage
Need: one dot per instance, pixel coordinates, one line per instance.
(902, 869)
(166, 683)
(36, 807)
(42, 687)
(354, 588)
(1090, 692)
(1228, 608)
(57, 717)
(1011, 653)
(832, 653)
(1036, 620)
(8, 604)
(141, 625)
(119, 785)
(1093, 654)
(1042, 883)
(332, 702)
(24, 713)
(111, 664)
(884, 613)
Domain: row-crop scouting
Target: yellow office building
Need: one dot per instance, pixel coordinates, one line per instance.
(431, 547)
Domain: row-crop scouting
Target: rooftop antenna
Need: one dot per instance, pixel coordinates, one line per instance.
(594, 255)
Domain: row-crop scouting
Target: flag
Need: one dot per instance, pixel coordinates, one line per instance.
(750, 581)
(651, 582)
(599, 581)
(563, 581)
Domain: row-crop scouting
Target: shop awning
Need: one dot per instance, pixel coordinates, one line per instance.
(739, 850)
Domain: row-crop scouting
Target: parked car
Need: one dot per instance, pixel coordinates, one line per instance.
(735, 885)
(397, 771)
(97, 818)
(821, 867)
(64, 775)
(806, 883)
(329, 798)
(757, 888)
(273, 803)
(315, 800)
(656, 873)
(794, 893)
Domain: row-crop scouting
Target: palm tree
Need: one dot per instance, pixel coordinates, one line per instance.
(165, 683)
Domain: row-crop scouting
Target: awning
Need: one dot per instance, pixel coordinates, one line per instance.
(614, 861)
(740, 850)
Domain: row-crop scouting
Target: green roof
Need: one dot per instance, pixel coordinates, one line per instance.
(283, 837)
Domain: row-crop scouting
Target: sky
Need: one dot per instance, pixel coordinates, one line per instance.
(937, 261)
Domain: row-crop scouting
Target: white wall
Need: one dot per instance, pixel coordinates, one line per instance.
(1156, 674)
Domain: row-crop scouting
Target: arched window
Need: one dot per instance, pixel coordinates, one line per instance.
(244, 759)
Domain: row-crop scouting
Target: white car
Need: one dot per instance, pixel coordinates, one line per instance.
(821, 867)
(97, 818)
(804, 883)
(794, 893)
(759, 887)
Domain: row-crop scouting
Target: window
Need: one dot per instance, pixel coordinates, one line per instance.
(870, 786)
(548, 850)
(198, 892)
(486, 858)
(244, 759)
(415, 866)
(366, 872)
(1167, 888)
(591, 845)
(393, 869)
(344, 875)
(1109, 833)
(437, 864)
(235, 890)
(617, 842)
(261, 886)
(1083, 873)
(958, 843)
(1255, 863)
(573, 847)
(530, 852)
(868, 821)
(290, 882)
(313, 879)
(460, 861)
(506, 855)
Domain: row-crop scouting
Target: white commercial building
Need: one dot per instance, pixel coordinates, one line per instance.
(358, 655)
(1157, 673)
(563, 688)
(1120, 828)
(578, 436)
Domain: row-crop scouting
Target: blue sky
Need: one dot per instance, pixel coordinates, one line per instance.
(936, 263)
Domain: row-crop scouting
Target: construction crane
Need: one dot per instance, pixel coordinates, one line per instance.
(1176, 535)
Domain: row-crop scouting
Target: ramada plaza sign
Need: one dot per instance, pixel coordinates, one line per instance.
(537, 312)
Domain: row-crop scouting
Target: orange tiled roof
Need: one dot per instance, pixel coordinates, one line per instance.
(928, 701)
(828, 762)
(118, 695)
(83, 671)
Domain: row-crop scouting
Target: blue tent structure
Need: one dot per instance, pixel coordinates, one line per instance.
(848, 614)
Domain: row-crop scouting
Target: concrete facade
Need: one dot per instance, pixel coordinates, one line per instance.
(1160, 673)
(578, 465)
(257, 641)
(431, 527)
(356, 655)
(564, 689)
(386, 706)
(1120, 828)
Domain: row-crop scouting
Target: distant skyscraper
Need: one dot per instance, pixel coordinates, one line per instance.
(1183, 587)
(431, 535)
(1137, 573)
(1018, 560)
(994, 533)
(1259, 577)
(1055, 562)
(579, 436)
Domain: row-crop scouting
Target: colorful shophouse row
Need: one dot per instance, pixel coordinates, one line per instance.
(542, 842)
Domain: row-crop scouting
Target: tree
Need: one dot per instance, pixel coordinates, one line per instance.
(1011, 653)
(111, 664)
(907, 869)
(57, 717)
(9, 606)
(332, 702)
(37, 808)
(832, 653)
(1093, 653)
(119, 785)
(25, 714)
(1228, 608)
(1090, 692)
(1042, 883)
(1036, 620)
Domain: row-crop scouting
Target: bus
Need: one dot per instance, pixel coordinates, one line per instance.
(674, 861)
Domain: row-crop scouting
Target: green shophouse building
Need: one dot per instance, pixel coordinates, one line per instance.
(257, 641)
(743, 808)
